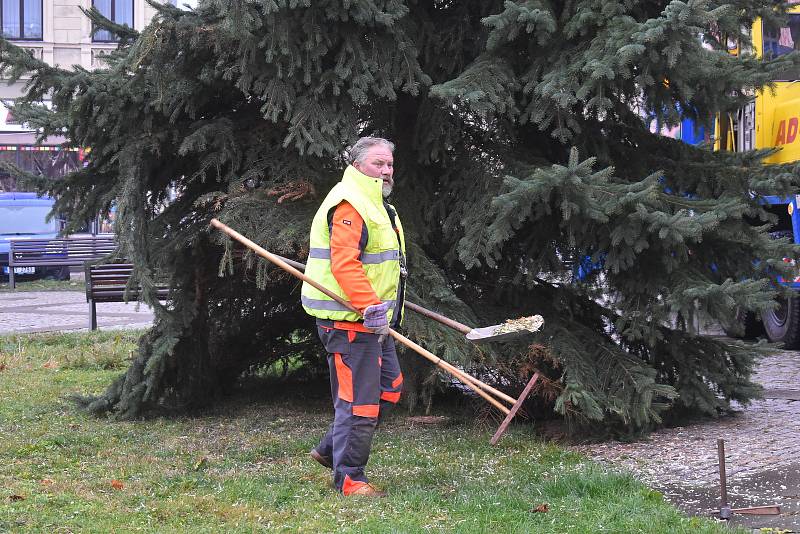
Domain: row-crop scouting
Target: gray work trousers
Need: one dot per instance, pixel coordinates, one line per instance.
(365, 382)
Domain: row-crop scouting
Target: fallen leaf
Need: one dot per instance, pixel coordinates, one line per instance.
(50, 365)
(542, 508)
(116, 484)
(200, 464)
(3, 367)
(15, 498)
(47, 482)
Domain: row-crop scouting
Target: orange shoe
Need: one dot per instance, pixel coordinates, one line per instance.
(357, 487)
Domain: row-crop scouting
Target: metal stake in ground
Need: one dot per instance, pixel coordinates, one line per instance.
(725, 511)
(473, 383)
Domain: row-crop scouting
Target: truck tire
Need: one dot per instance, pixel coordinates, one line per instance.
(782, 324)
(746, 326)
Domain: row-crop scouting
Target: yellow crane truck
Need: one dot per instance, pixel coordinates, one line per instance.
(772, 119)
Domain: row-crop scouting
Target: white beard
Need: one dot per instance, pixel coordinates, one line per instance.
(386, 190)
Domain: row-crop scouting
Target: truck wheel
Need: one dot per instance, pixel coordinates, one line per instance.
(783, 323)
(746, 326)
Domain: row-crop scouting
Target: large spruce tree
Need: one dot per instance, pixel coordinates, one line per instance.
(523, 151)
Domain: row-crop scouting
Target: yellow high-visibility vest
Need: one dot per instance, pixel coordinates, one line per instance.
(381, 257)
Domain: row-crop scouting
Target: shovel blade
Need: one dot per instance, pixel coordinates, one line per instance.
(487, 333)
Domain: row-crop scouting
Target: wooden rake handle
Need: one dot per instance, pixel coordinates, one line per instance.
(436, 317)
(473, 383)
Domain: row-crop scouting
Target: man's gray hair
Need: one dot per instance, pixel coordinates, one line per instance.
(359, 150)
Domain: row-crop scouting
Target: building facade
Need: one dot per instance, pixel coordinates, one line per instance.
(57, 32)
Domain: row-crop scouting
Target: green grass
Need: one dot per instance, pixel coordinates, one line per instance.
(243, 466)
(44, 285)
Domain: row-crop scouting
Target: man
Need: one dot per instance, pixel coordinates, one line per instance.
(358, 252)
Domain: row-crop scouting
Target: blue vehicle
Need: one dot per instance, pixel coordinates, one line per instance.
(781, 324)
(24, 216)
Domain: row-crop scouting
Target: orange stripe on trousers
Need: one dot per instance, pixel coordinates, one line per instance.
(345, 378)
(398, 380)
(366, 410)
(391, 396)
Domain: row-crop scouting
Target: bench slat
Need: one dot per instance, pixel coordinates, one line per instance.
(119, 296)
(26, 246)
(58, 251)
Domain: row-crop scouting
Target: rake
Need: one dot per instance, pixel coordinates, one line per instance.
(492, 395)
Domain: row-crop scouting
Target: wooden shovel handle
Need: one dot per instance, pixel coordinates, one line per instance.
(452, 323)
(470, 381)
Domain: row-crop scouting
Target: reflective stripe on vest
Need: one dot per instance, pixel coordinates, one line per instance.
(332, 305)
(370, 259)
(380, 257)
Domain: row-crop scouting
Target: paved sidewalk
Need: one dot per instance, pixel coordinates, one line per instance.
(762, 444)
(45, 311)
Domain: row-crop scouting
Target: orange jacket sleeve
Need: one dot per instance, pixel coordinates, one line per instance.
(347, 233)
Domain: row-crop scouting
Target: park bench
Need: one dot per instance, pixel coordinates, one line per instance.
(107, 282)
(56, 252)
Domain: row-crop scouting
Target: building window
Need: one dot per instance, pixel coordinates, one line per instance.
(118, 11)
(22, 19)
